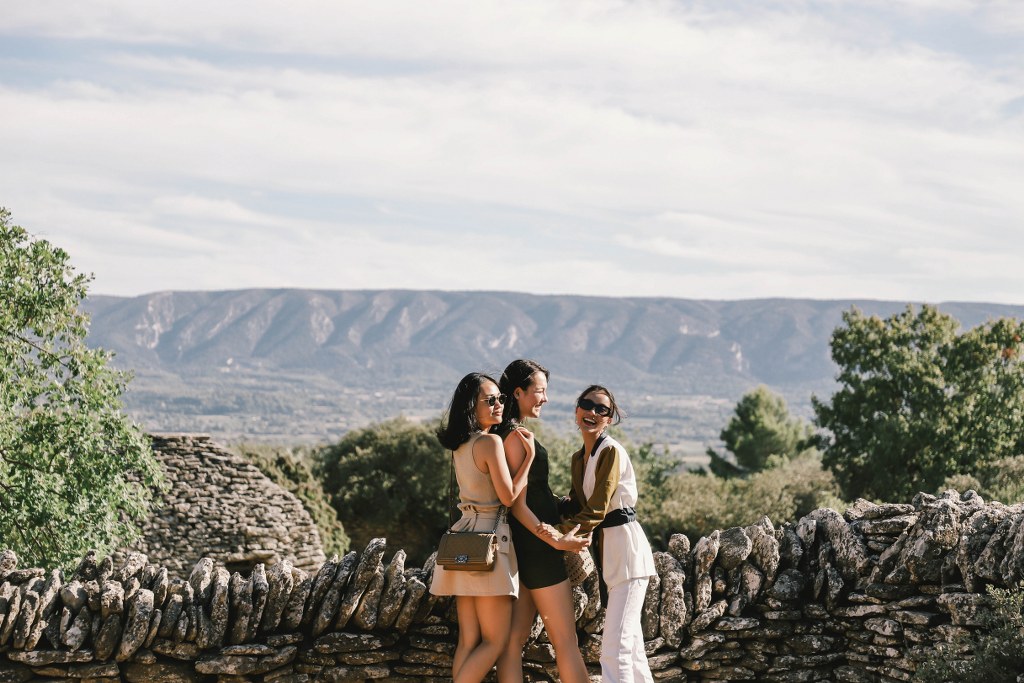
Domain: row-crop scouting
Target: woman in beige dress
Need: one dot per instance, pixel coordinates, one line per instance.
(483, 599)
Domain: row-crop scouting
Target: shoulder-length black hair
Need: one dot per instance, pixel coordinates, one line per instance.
(460, 420)
(616, 413)
(518, 375)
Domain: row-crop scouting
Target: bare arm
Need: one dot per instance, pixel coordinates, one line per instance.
(489, 456)
(515, 448)
(521, 442)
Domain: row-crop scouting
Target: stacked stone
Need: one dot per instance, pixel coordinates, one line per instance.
(747, 622)
(863, 597)
(220, 505)
(136, 623)
(866, 596)
(925, 587)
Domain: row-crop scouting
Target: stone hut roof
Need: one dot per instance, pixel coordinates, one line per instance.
(221, 506)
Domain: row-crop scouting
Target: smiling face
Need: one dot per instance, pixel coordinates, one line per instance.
(488, 415)
(533, 397)
(588, 408)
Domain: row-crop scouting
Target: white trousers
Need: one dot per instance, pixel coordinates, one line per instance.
(623, 659)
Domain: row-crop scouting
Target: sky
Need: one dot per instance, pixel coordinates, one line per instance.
(710, 149)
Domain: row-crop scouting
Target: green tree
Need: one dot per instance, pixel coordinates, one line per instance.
(75, 473)
(291, 468)
(390, 479)
(761, 428)
(920, 401)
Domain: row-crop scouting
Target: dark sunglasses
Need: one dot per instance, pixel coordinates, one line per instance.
(497, 398)
(598, 408)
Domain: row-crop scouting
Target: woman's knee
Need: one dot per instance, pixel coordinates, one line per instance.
(518, 637)
(468, 640)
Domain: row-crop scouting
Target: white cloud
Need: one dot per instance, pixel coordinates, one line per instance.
(789, 143)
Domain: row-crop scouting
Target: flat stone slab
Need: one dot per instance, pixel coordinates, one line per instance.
(47, 657)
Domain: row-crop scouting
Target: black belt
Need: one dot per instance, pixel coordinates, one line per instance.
(616, 517)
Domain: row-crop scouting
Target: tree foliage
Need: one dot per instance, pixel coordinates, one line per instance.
(697, 503)
(291, 468)
(920, 401)
(993, 653)
(74, 471)
(1001, 480)
(761, 427)
(390, 479)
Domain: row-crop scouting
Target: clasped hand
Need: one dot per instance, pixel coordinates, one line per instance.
(567, 541)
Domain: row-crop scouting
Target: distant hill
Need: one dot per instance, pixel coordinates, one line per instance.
(307, 365)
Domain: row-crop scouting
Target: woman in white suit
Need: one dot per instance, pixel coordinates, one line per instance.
(603, 499)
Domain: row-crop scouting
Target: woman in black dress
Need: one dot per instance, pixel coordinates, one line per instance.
(543, 583)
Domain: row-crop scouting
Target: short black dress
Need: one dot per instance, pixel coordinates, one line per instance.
(540, 565)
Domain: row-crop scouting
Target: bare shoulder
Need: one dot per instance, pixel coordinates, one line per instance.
(523, 431)
(488, 441)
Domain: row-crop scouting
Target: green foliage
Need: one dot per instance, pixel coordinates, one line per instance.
(75, 473)
(761, 428)
(993, 653)
(390, 479)
(653, 468)
(919, 401)
(697, 503)
(291, 468)
(1002, 480)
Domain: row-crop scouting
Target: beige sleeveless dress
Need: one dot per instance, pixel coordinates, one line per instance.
(479, 504)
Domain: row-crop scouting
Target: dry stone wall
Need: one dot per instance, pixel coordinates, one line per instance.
(221, 506)
(861, 596)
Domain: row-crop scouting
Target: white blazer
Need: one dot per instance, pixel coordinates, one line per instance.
(625, 552)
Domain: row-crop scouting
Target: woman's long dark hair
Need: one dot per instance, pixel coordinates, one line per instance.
(460, 420)
(616, 413)
(518, 375)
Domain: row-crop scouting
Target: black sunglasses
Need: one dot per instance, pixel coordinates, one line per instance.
(496, 398)
(598, 408)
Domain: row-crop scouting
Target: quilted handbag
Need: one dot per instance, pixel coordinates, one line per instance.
(468, 550)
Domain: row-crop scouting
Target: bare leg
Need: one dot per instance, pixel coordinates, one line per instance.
(493, 614)
(556, 609)
(469, 631)
(510, 664)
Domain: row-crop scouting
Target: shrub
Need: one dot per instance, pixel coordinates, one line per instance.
(390, 480)
(697, 503)
(1001, 480)
(991, 654)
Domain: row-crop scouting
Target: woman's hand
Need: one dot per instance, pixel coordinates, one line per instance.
(570, 541)
(547, 532)
(559, 541)
(527, 438)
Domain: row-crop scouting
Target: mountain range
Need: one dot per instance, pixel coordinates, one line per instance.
(304, 366)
